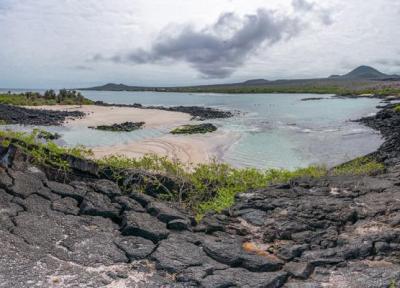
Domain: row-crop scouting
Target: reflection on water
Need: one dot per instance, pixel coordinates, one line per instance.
(278, 130)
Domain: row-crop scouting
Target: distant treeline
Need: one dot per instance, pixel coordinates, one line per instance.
(50, 97)
(345, 89)
(337, 90)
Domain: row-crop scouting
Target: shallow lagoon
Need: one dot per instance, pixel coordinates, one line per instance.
(276, 130)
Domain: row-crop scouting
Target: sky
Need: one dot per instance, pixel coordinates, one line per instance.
(75, 43)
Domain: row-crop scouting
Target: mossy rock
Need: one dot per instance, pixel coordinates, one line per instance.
(195, 129)
(42, 134)
(123, 127)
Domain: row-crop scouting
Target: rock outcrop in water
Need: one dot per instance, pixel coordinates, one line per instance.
(18, 115)
(123, 127)
(195, 129)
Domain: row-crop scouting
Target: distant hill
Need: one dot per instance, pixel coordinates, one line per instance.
(113, 87)
(365, 73)
(360, 78)
(256, 82)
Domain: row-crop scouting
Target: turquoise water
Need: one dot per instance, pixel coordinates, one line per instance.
(276, 130)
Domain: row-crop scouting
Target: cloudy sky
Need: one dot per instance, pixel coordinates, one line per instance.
(75, 43)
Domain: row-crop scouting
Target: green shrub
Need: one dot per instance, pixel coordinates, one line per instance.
(213, 186)
(44, 153)
(397, 108)
(392, 284)
(64, 97)
(359, 166)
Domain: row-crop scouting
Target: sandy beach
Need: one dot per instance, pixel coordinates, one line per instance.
(190, 149)
(101, 115)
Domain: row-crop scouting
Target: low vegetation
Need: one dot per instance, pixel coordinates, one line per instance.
(397, 108)
(43, 134)
(43, 152)
(195, 129)
(50, 97)
(381, 90)
(359, 166)
(212, 187)
(205, 187)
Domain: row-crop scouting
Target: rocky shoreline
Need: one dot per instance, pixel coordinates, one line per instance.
(336, 231)
(387, 122)
(11, 114)
(197, 112)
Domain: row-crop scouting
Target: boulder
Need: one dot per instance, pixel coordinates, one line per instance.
(135, 248)
(97, 204)
(174, 255)
(299, 269)
(65, 190)
(163, 212)
(66, 205)
(238, 277)
(143, 225)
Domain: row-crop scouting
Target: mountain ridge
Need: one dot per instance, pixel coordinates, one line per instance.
(362, 73)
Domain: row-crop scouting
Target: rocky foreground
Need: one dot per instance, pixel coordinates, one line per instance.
(330, 232)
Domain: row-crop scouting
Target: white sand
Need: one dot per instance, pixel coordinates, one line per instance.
(190, 149)
(101, 115)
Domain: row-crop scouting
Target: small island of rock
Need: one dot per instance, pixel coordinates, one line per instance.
(123, 127)
(195, 129)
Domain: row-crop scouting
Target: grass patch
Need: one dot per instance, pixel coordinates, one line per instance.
(359, 166)
(210, 187)
(64, 97)
(43, 134)
(43, 153)
(195, 129)
(397, 108)
(3, 122)
(392, 284)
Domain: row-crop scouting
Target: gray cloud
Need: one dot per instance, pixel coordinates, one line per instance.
(216, 51)
(82, 68)
(5, 5)
(303, 5)
(389, 62)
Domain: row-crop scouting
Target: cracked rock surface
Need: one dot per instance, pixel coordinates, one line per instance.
(331, 232)
(341, 231)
